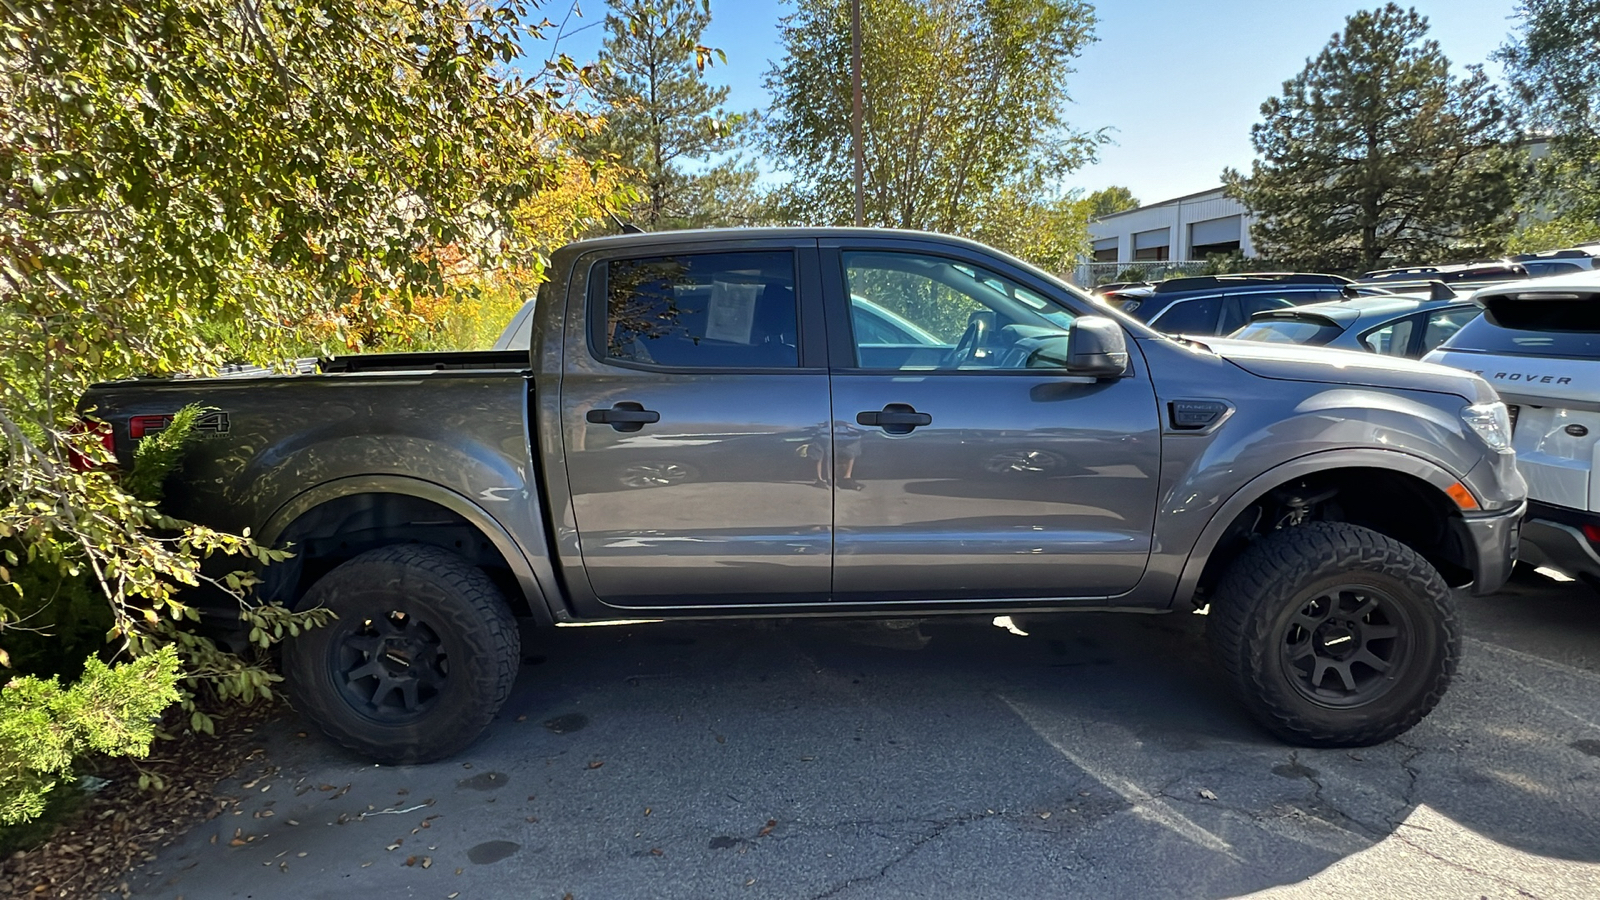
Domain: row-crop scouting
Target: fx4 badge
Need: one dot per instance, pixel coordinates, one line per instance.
(212, 422)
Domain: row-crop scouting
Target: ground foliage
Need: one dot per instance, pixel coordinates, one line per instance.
(964, 119)
(133, 807)
(1375, 152)
(187, 183)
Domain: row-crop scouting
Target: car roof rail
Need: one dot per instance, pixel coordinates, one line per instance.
(1245, 279)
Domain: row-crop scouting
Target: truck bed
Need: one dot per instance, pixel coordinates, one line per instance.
(425, 361)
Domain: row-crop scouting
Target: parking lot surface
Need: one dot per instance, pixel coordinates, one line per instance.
(1096, 755)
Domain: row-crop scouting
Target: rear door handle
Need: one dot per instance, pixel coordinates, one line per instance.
(895, 418)
(624, 416)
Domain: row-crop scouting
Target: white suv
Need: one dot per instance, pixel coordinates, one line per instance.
(1538, 343)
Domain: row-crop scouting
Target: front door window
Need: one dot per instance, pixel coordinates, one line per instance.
(923, 313)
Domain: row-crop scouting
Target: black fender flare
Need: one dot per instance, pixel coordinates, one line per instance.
(527, 572)
(1355, 458)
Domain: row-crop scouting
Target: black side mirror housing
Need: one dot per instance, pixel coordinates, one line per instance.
(1095, 347)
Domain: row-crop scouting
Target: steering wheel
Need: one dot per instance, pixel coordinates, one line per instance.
(976, 338)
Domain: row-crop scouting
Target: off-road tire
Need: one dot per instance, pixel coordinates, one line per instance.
(391, 602)
(1267, 597)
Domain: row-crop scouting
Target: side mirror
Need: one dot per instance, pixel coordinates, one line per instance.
(1095, 347)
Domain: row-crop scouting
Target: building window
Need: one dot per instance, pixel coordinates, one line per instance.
(1215, 236)
(1152, 245)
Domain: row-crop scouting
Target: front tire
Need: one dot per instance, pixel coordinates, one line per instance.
(421, 657)
(1335, 635)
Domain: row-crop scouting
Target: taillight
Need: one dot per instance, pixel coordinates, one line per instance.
(1592, 532)
(103, 433)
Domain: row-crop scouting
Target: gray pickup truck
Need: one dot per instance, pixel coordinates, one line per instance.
(839, 422)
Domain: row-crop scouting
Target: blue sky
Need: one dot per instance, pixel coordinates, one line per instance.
(1179, 81)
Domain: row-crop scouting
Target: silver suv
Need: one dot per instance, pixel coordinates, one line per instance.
(1538, 343)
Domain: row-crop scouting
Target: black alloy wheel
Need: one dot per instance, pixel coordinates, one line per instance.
(1342, 644)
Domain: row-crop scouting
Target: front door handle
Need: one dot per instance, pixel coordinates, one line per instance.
(624, 416)
(895, 418)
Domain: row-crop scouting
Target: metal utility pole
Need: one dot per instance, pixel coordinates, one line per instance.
(855, 107)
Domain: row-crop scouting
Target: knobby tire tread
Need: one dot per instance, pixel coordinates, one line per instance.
(1268, 574)
(479, 611)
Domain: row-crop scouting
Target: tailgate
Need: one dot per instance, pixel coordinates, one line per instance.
(1555, 414)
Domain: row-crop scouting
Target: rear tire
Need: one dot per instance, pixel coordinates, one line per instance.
(1335, 635)
(421, 658)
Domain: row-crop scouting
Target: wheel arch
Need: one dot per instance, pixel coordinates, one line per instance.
(394, 509)
(1383, 471)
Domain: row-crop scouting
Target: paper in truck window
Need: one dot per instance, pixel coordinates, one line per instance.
(731, 312)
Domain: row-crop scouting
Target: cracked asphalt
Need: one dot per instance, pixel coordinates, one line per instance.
(1097, 755)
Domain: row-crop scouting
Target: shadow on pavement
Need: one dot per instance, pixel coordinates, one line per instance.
(1097, 755)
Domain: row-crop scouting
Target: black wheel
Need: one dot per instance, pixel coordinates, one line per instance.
(420, 659)
(1335, 635)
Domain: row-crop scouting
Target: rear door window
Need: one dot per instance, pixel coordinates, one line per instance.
(1392, 339)
(1197, 316)
(702, 311)
(1240, 307)
(1444, 323)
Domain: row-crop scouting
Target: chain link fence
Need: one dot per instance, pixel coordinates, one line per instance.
(1089, 274)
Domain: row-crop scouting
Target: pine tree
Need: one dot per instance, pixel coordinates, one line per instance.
(1376, 153)
(664, 121)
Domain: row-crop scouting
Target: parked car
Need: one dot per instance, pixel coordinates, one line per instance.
(1555, 262)
(1387, 324)
(1112, 287)
(700, 429)
(1418, 277)
(1538, 343)
(1220, 304)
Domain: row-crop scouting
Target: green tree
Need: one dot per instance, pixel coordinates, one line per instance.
(1375, 152)
(665, 122)
(963, 115)
(1553, 65)
(1114, 199)
(191, 182)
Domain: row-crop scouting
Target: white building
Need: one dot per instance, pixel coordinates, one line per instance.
(1167, 235)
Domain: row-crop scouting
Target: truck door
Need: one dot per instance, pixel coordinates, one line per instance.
(962, 471)
(694, 409)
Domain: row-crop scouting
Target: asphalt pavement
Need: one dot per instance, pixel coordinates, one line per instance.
(1094, 756)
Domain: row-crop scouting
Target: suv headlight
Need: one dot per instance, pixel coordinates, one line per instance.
(1491, 422)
